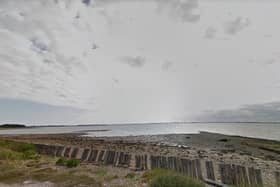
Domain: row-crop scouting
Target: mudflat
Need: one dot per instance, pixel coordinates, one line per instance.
(203, 145)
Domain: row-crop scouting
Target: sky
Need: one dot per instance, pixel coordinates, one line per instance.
(122, 61)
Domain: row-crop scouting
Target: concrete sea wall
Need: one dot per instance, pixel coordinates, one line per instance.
(214, 173)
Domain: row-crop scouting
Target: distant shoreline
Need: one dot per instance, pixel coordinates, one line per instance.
(244, 130)
(146, 123)
(12, 126)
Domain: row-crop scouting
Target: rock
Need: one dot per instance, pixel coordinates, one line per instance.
(223, 140)
(183, 146)
(227, 150)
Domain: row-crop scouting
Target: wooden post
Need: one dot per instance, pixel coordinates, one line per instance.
(210, 170)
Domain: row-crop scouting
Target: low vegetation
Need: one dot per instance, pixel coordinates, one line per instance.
(61, 162)
(20, 162)
(165, 178)
(64, 177)
(101, 172)
(17, 151)
(70, 163)
(130, 175)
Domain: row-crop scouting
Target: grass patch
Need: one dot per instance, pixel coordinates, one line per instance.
(111, 177)
(20, 162)
(130, 175)
(70, 163)
(17, 151)
(17, 146)
(65, 178)
(61, 162)
(165, 178)
(101, 172)
(17, 172)
(104, 175)
(10, 174)
(6, 154)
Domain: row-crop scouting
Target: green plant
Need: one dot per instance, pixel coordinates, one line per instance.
(61, 162)
(150, 174)
(72, 163)
(10, 150)
(130, 175)
(165, 178)
(31, 154)
(6, 154)
(17, 146)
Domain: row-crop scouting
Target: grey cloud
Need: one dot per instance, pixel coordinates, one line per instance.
(86, 2)
(267, 112)
(265, 62)
(29, 37)
(270, 61)
(236, 25)
(39, 46)
(166, 65)
(115, 80)
(41, 29)
(135, 62)
(210, 32)
(186, 10)
(267, 36)
(94, 46)
(78, 16)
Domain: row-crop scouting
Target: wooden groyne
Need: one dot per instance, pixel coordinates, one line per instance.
(212, 172)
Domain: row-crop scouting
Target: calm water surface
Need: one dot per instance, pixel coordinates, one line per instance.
(266, 131)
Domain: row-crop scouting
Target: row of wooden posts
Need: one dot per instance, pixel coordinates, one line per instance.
(230, 174)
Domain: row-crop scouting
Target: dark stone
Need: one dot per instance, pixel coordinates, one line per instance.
(223, 140)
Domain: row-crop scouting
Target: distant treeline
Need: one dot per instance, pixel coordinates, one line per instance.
(12, 126)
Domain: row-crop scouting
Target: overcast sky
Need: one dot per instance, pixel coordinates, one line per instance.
(106, 61)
